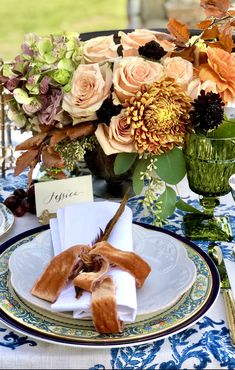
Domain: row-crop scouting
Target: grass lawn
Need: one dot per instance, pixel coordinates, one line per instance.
(18, 17)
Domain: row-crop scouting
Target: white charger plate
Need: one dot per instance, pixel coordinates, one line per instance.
(172, 271)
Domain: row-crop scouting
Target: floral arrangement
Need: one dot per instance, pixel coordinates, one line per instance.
(135, 95)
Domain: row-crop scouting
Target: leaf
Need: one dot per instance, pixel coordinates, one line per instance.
(171, 166)
(21, 96)
(61, 76)
(25, 160)
(141, 166)
(187, 53)
(66, 64)
(210, 33)
(225, 130)
(57, 136)
(50, 58)
(204, 24)
(33, 89)
(231, 13)
(17, 117)
(215, 8)
(51, 159)
(30, 173)
(168, 200)
(181, 204)
(45, 46)
(33, 142)
(83, 129)
(179, 30)
(123, 162)
(226, 37)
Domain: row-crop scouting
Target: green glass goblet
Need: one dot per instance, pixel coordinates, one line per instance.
(209, 164)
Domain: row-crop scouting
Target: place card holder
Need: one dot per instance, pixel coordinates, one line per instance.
(45, 217)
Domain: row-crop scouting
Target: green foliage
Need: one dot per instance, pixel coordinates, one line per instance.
(21, 96)
(225, 130)
(123, 162)
(138, 178)
(168, 201)
(61, 76)
(171, 166)
(181, 204)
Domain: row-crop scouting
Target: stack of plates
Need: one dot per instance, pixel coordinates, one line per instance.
(181, 287)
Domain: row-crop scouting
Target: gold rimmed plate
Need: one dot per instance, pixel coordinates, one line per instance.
(40, 323)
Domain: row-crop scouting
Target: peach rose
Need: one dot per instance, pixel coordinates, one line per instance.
(100, 49)
(195, 86)
(91, 85)
(133, 40)
(130, 73)
(179, 69)
(116, 137)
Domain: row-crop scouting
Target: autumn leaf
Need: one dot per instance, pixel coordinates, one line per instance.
(179, 30)
(33, 142)
(25, 160)
(231, 13)
(226, 37)
(186, 53)
(30, 173)
(57, 136)
(51, 159)
(206, 23)
(210, 33)
(215, 8)
(82, 129)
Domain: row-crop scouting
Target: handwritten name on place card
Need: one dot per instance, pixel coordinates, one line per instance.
(51, 195)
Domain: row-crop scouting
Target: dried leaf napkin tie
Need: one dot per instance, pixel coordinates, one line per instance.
(87, 267)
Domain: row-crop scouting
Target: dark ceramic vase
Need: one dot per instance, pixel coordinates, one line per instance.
(106, 183)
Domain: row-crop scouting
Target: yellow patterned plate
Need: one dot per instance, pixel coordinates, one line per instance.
(6, 219)
(44, 325)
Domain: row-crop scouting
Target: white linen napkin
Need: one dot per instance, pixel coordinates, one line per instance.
(80, 224)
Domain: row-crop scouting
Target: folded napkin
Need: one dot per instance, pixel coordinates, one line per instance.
(81, 224)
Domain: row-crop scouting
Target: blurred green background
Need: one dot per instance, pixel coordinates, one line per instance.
(18, 17)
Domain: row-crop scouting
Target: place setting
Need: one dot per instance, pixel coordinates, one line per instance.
(117, 215)
(182, 285)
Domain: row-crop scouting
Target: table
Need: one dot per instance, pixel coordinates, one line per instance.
(204, 345)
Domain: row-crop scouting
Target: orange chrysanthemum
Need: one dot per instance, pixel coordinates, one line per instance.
(158, 116)
(220, 69)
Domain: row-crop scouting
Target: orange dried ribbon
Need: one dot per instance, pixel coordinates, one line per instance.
(87, 267)
(98, 260)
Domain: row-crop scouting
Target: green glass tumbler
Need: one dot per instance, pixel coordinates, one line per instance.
(209, 164)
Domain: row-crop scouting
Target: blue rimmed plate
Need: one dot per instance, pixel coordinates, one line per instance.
(40, 323)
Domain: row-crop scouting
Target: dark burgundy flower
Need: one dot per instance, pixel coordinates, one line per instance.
(208, 111)
(108, 110)
(152, 50)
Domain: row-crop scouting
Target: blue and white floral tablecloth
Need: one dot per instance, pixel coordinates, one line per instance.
(205, 345)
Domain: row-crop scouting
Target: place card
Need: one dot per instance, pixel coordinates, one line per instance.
(51, 195)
